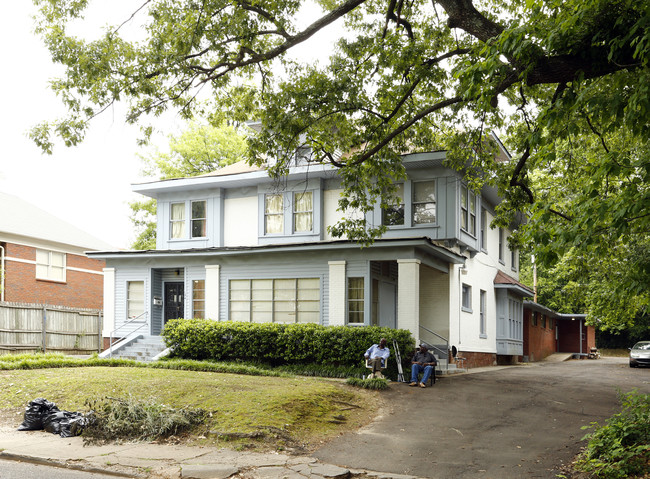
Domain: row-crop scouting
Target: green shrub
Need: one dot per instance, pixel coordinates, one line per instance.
(620, 448)
(133, 419)
(374, 383)
(281, 344)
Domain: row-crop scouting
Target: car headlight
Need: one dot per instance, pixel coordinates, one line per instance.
(635, 354)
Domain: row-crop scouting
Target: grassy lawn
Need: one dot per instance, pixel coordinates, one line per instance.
(290, 412)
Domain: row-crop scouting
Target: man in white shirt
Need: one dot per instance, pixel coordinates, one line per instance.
(377, 356)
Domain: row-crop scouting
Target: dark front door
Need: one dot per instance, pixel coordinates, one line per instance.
(174, 305)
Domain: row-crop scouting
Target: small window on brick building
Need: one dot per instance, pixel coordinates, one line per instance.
(50, 265)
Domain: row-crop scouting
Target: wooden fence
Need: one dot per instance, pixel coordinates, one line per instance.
(26, 328)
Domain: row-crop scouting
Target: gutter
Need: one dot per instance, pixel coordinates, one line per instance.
(2, 273)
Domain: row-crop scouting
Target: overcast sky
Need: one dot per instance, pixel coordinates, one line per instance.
(88, 185)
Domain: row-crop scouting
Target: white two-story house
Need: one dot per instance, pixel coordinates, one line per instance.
(234, 245)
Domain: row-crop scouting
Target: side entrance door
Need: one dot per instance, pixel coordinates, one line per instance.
(387, 304)
(174, 304)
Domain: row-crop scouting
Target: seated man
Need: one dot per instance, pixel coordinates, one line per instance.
(422, 361)
(377, 355)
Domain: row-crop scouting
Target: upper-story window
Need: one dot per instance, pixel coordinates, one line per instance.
(424, 202)
(467, 210)
(513, 259)
(199, 219)
(501, 244)
(484, 227)
(50, 265)
(394, 215)
(303, 212)
(177, 220)
(273, 214)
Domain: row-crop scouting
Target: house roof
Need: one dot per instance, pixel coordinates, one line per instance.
(503, 281)
(21, 219)
(423, 244)
(549, 312)
(233, 169)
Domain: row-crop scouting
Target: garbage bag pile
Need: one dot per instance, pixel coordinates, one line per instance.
(43, 414)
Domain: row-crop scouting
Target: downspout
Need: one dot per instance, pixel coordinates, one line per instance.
(580, 336)
(2, 273)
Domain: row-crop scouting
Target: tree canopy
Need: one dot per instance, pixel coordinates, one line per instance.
(566, 83)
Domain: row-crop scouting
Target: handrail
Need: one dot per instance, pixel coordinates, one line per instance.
(443, 353)
(129, 321)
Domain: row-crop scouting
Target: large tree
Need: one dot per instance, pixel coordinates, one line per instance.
(405, 76)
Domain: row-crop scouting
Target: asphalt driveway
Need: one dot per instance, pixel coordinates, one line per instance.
(517, 422)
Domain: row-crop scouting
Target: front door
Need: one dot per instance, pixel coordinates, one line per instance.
(387, 303)
(174, 305)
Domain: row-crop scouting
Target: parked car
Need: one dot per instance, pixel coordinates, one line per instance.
(640, 354)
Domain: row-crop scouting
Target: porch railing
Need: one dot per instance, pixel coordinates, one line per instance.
(442, 354)
(130, 335)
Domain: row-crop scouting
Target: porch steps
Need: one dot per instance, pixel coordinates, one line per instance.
(144, 348)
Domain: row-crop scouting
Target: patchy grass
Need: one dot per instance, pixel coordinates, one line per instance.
(244, 411)
(614, 353)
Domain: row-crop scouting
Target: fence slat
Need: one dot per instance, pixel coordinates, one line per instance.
(56, 328)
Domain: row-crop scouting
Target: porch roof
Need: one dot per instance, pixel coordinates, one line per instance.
(424, 244)
(503, 281)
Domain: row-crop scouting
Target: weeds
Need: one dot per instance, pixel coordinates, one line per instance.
(376, 384)
(620, 448)
(113, 419)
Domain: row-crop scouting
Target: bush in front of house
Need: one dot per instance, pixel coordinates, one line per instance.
(281, 344)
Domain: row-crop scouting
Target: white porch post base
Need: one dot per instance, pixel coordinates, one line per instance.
(212, 291)
(408, 296)
(337, 293)
(109, 302)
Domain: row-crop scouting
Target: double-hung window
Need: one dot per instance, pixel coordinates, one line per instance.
(483, 322)
(393, 215)
(134, 299)
(273, 214)
(501, 244)
(303, 212)
(467, 210)
(177, 220)
(50, 265)
(356, 301)
(424, 202)
(199, 219)
(484, 226)
(198, 298)
(467, 298)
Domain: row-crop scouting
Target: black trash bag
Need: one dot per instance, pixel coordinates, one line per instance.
(34, 414)
(64, 423)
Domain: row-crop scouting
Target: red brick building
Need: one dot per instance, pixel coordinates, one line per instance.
(43, 260)
(547, 332)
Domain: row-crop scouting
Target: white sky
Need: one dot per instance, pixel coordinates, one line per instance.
(89, 185)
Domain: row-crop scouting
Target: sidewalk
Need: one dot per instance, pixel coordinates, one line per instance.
(146, 460)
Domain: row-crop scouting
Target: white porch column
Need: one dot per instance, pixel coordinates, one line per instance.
(337, 293)
(109, 302)
(408, 295)
(212, 291)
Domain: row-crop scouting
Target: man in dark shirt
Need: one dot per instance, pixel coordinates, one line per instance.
(422, 361)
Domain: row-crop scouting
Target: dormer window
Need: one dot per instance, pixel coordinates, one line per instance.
(303, 212)
(424, 202)
(177, 220)
(199, 217)
(394, 215)
(273, 214)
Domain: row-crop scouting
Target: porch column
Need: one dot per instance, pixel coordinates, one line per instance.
(212, 291)
(337, 293)
(109, 302)
(408, 295)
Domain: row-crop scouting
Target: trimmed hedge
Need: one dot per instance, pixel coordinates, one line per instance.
(280, 344)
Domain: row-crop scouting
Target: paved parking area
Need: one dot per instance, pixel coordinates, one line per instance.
(517, 422)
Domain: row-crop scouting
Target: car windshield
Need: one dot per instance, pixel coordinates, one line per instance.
(642, 345)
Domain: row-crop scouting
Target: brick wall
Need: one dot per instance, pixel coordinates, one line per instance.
(477, 360)
(80, 290)
(539, 339)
